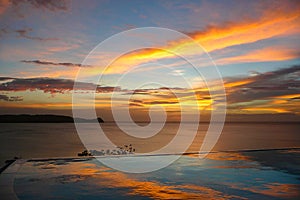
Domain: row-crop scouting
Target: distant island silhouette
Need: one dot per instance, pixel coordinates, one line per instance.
(25, 118)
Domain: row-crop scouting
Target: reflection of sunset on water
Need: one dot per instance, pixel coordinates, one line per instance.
(223, 175)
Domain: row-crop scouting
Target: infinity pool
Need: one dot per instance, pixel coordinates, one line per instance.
(221, 175)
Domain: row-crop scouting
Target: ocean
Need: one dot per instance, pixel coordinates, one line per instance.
(249, 161)
(28, 140)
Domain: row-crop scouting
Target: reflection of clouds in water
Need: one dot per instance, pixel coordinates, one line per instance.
(282, 190)
(104, 177)
(223, 156)
(223, 175)
(112, 179)
(278, 190)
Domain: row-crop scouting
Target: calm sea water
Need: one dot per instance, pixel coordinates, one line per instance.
(56, 140)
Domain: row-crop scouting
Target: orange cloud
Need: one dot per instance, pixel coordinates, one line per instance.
(288, 96)
(50, 72)
(263, 55)
(272, 23)
(237, 83)
(4, 4)
(266, 110)
(249, 31)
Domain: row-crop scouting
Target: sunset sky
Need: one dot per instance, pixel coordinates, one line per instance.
(254, 44)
